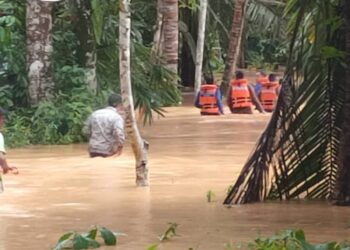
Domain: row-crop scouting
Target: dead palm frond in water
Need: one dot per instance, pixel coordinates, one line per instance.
(296, 156)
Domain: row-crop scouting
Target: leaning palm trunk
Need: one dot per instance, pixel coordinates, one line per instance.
(200, 44)
(342, 192)
(297, 155)
(39, 50)
(139, 146)
(236, 32)
(169, 9)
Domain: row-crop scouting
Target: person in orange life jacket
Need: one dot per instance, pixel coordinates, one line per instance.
(209, 98)
(261, 79)
(269, 93)
(241, 96)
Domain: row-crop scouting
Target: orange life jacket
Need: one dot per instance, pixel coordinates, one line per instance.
(268, 96)
(263, 80)
(207, 99)
(240, 94)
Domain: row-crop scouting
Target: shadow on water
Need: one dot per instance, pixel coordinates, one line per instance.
(61, 189)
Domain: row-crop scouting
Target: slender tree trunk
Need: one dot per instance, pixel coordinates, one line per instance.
(187, 62)
(170, 11)
(236, 32)
(139, 146)
(39, 50)
(342, 192)
(87, 52)
(200, 44)
(158, 38)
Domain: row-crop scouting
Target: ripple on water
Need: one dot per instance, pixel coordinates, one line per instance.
(7, 210)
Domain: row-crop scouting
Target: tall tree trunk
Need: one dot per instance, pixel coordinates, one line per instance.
(200, 44)
(236, 32)
(87, 52)
(139, 146)
(170, 11)
(158, 38)
(187, 61)
(342, 192)
(39, 50)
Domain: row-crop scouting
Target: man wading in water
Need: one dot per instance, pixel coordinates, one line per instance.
(105, 128)
(3, 162)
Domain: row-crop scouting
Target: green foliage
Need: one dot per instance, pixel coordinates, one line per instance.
(210, 196)
(299, 149)
(169, 232)
(153, 84)
(77, 241)
(293, 240)
(17, 130)
(12, 53)
(60, 121)
(193, 5)
(70, 77)
(265, 53)
(153, 247)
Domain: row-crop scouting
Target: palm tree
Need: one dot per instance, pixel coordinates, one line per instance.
(139, 146)
(298, 153)
(170, 12)
(239, 12)
(39, 50)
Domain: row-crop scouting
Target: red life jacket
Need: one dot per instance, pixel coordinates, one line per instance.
(268, 96)
(240, 94)
(207, 99)
(263, 80)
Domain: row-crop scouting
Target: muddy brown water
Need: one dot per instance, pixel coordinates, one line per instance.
(60, 189)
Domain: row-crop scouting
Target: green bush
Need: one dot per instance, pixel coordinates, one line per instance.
(17, 131)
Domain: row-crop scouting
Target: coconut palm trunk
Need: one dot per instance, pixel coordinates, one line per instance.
(200, 44)
(139, 146)
(342, 192)
(170, 11)
(39, 50)
(236, 32)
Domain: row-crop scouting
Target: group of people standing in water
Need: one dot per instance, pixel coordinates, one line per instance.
(242, 95)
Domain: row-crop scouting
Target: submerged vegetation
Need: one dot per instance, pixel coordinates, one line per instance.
(77, 241)
(286, 240)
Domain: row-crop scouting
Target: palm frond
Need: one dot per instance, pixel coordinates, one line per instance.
(296, 155)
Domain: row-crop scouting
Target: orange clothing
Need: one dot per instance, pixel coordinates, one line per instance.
(240, 95)
(207, 99)
(263, 80)
(269, 96)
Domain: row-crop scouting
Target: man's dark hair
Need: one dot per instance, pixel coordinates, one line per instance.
(272, 77)
(209, 80)
(239, 74)
(114, 100)
(262, 73)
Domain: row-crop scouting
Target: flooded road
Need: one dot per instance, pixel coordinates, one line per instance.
(60, 189)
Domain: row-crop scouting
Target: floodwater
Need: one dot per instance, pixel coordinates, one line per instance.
(60, 189)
